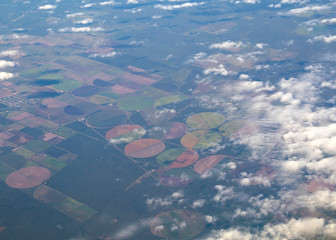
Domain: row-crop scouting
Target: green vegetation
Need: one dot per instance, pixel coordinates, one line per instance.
(167, 157)
(4, 171)
(201, 139)
(106, 118)
(32, 72)
(135, 102)
(53, 163)
(64, 203)
(13, 160)
(67, 85)
(51, 76)
(65, 132)
(170, 99)
(24, 152)
(181, 76)
(208, 140)
(231, 127)
(98, 99)
(37, 145)
(205, 120)
(311, 30)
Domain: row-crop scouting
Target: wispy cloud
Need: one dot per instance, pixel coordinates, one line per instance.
(107, 3)
(131, 230)
(81, 29)
(178, 6)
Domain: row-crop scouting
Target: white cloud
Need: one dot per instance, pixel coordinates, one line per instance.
(261, 45)
(255, 180)
(230, 234)
(178, 6)
(197, 57)
(326, 39)
(244, 76)
(227, 45)
(297, 138)
(14, 36)
(9, 53)
(136, 133)
(159, 202)
(199, 203)
(47, 7)
(88, 5)
(220, 70)
(72, 15)
(329, 21)
(104, 55)
(223, 193)
(4, 64)
(136, 43)
(107, 3)
(121, 140)
(6, 75)
(251, 1)
(132, 1)
(84, 21)
(293, 1)
(210, 219)
(274, 5)
(129, 231)
(305, 228)
(311, 8)
(81, 29)
(178, 194)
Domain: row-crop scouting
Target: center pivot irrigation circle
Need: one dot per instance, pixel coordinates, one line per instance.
(144, 148)
(28, 177)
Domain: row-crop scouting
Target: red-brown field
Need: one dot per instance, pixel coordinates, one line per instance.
(28, 177)
(207, 163)
(120, 130)
(176, 130)
(187, 158)
(144, 148)
(53, 103)
(138, 79)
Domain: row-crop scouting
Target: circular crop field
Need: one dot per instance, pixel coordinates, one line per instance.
(102, 83)
(144, 148)
(179, 224)
(135, 102)
(175, 130)
(124, 133)
(72, 110)
(85, 91)
(207, 163)
(205, 120)
(28, 177)
(201, 139)
(67, 85)
(231, 127)
(177, 157)
(106, 118)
